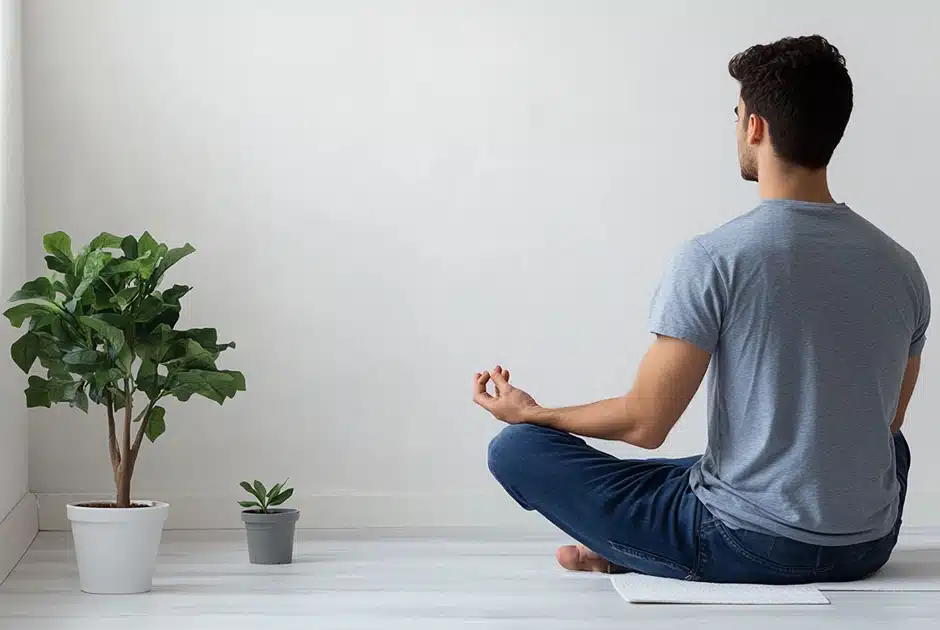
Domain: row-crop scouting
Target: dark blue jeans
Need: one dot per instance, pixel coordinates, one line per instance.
(642, 516)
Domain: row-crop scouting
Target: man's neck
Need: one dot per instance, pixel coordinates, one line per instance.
(795, 184)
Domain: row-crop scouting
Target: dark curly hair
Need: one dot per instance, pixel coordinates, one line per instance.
(801, 87)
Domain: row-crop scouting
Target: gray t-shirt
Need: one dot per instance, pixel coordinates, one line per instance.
(810, 313)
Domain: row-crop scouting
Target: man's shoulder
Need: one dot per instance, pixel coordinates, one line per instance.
(741, 234)
(756, 235)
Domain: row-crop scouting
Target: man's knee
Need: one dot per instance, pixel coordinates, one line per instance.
(510, 448)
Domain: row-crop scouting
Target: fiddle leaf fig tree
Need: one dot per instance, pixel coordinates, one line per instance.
(105, 333)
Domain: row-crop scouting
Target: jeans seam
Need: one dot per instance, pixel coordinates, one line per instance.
(701, 558)
(646, 555)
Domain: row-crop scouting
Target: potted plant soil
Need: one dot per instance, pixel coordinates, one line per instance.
(104, 332)
(270, 529)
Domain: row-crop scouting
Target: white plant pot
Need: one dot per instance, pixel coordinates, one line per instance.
(116, 548)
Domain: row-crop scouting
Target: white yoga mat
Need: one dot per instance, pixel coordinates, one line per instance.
(644, 589)
(911, 570)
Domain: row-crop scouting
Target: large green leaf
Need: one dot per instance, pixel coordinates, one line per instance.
(98, 297)
(147, 368)
(43, 393)
(237, 377)
(44, 322)
(194, 356)
(151, 308)
(66, 392)
(117, 397)
(215, 386)
(50, 351)
(25, 350)
(146, 244)
(128, 265)
(125, 359)
(58, 371)
(60, 287)
(95, 394)
(40, 288)
(159, 256)
(149, 252)
(152, 385)
(174, 294)
(58, 264)
(103, 378)
(113, 336)
(156, 426)
(58, 244)
(81, 356)
(94, 262)
(106, 241)
(72, 281)
(78, 265)
(80, 400)
(169, 316)
(205, 337)
(125, 296)
(63, 390)
(129, 247)
(37, 393)
(174, 255)
(149, 380)
(160, 309)
(19, 313)
(118, 320)
(156, 344)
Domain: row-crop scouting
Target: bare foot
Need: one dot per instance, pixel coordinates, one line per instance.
(580, 558)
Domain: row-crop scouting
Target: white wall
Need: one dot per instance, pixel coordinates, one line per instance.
(13, 451)
(17, 513)
(389, 196)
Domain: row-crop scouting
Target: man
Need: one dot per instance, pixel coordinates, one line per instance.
(812, 321)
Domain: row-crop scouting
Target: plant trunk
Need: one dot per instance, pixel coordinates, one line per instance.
(125, 470)
(122, 480)
(123, 488)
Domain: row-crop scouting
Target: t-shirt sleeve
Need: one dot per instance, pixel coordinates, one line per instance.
(920, 333)
(689, 302)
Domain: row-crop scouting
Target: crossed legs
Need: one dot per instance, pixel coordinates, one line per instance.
(636, 515)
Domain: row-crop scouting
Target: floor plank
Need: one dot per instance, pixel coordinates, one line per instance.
(394, 580)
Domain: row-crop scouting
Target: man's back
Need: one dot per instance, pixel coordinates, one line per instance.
(810, 323)
(818, 312)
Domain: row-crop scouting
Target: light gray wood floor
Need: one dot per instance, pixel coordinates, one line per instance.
(392, 580)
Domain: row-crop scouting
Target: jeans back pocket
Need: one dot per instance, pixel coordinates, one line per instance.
(746, 556)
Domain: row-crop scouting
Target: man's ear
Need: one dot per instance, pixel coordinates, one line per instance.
(756, 129)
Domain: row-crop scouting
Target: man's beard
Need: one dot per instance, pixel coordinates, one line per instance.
(749, 172)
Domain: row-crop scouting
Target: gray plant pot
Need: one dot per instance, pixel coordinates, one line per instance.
(271, 536)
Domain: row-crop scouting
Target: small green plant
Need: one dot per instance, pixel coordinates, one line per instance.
(264, 498)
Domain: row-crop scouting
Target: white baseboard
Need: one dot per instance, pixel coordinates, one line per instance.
(404, 511)
(17, 532)
(341, 511)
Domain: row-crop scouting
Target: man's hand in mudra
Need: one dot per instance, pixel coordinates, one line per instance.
(508, 403)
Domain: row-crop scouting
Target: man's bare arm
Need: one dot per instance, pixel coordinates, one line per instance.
(668, 377)
(907, 391)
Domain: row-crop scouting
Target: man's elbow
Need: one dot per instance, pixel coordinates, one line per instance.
(647, 425)
(647, 437)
